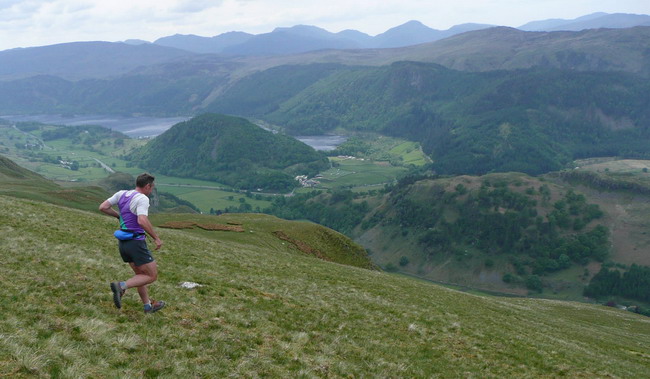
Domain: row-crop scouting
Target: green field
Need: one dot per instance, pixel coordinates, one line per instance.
(217, 199)
(410, 153)
(359, 172)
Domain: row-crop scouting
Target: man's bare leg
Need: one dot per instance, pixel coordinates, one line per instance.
(144, 274)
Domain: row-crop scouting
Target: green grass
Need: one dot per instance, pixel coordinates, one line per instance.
(205, 199)
(359, 173)
(265, 309)
(410, 153)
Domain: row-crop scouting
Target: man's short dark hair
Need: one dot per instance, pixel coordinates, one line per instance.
(144, 179)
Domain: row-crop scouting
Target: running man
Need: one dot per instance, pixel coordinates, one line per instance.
(133, 216)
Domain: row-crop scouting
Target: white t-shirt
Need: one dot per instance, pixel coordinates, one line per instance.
(139, 204)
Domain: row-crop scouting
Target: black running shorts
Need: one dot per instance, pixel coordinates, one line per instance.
(135, 251)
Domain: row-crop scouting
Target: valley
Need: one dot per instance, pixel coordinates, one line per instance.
(469, 202)
(367, 166)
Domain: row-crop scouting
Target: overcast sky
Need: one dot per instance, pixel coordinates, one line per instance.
(25, 23)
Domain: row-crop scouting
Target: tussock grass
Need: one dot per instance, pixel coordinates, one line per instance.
(265, 310)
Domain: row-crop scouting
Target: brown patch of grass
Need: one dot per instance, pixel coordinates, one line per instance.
(210, 227)
(300, 245)
(178, 225)
(227, 228)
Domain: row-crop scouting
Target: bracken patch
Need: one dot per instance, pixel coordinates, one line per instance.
(301, 245)
(227, 228)
(178, 225)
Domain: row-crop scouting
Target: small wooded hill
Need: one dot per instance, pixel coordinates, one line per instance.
(230, 150)
(264, 308)
(499, 231)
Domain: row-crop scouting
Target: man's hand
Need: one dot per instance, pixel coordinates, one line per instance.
(146, 225)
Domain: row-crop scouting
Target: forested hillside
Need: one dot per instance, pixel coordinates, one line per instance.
(532, 121)
(512, 226)
(230, 150)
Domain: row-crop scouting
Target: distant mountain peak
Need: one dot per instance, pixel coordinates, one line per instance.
(591, 21)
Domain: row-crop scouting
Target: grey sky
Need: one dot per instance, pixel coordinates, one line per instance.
(26, 23)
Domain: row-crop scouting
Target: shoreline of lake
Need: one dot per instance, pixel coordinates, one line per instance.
(149, 127)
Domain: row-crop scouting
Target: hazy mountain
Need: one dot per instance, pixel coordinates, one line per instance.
(192, 83)
(136, 42)
(507, 48)
(414, 32)
(304, 38)
(297, 39)
(362, 39)
(592, 21)
(80, 60)
(199, 44)
(410, 33)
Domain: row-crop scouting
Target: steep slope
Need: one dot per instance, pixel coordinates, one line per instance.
(263, 310)
(230, 150)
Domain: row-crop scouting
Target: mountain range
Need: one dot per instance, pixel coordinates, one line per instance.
(302, 38)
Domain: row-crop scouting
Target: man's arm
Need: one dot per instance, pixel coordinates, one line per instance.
(106, 208)
(146, 225)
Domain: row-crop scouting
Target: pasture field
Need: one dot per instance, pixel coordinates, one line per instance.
(217, 199)
(359, 172)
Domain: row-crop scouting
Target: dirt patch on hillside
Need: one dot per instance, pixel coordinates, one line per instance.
(227, 228)
(178, 225)
(192, 225)
(300, 245)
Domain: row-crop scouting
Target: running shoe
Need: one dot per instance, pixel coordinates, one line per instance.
(155, 306)
(118, 292)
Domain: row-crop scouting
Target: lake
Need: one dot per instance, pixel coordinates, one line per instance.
(138, 127)
(134, 127)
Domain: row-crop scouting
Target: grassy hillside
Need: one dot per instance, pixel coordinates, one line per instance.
(230, 150)
(19, 182)
(266, 310)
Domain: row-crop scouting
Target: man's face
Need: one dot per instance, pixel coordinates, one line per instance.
(148, 189)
